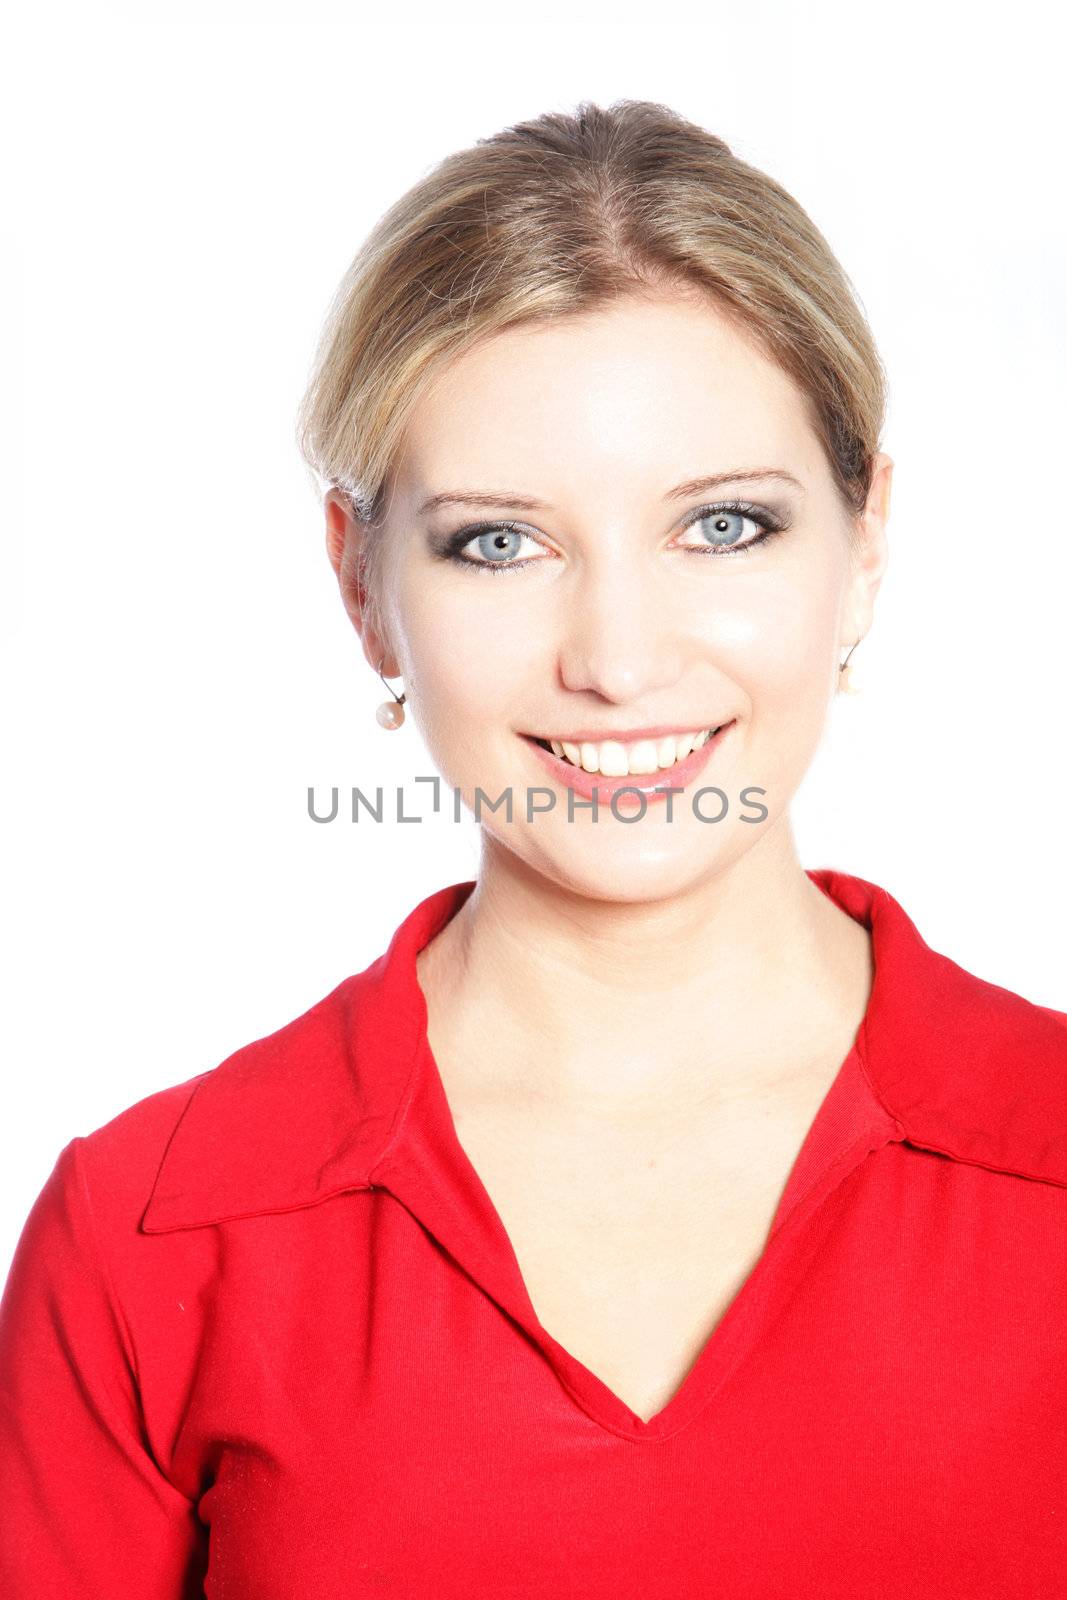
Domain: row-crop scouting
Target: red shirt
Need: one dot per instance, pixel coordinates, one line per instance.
(265, 1336)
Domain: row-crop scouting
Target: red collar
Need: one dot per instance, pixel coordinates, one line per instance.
(962, 1066)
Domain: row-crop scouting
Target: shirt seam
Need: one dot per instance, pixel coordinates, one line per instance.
(79, 1161)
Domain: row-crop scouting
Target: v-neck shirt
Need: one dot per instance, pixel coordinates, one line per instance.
(265, 1334)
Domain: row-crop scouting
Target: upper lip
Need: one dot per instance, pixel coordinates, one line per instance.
(626, 735)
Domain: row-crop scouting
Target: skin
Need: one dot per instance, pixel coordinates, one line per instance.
(676, 996)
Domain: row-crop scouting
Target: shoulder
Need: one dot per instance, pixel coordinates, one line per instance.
(966, 1066)
(272, 1126)
(993, 1088)
(121, 1157)
(290, 1118)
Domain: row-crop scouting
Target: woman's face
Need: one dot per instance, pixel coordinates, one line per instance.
(620, 599)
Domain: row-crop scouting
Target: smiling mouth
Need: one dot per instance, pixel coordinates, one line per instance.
(642, 758)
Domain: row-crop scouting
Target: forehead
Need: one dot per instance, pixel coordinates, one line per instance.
(633, 392)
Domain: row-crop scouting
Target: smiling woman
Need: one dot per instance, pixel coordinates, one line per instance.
(655, 1216)
(634, 607)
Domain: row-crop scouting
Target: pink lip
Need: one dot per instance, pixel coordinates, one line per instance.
(653, 785)
(629, 736)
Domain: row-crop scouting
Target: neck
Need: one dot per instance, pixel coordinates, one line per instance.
(745, 981)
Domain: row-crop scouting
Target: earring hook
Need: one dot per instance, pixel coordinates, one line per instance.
(391, 713)
(399, 698)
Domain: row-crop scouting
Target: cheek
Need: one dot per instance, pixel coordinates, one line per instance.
(462, 663)
(775, 639)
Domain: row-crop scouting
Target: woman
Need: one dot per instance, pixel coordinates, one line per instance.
(654, 1216)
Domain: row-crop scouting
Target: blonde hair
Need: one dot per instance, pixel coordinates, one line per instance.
(559, 215)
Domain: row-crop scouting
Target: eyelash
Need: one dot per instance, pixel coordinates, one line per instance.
(767, 520)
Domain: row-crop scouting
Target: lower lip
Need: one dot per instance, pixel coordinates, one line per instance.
(652, 785)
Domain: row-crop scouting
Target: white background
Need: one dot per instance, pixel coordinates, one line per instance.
(183, 190)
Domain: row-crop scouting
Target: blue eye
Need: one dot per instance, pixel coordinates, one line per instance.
(723, 528)
(496, 543)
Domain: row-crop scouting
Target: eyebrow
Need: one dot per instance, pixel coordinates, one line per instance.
(519, 502)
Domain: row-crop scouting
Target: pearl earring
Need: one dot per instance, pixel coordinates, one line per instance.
(390, 713)
(846, 680)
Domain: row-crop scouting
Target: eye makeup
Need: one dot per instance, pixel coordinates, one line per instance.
(450, 546)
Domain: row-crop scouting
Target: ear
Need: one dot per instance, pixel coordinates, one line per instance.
(870, 553)
(344, 542)
(345, 535)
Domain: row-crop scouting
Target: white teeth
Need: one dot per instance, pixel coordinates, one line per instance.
(612, 759)
(644, 756)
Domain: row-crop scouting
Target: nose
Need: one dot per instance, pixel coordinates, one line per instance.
(621, 637)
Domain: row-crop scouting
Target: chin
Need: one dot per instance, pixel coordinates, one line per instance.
(628, 870)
